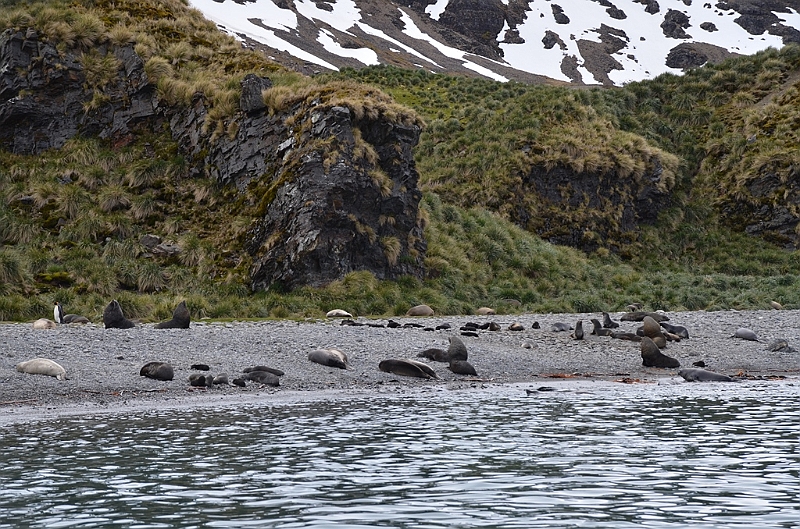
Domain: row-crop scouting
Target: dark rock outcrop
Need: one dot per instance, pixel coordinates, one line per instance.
(338, 192)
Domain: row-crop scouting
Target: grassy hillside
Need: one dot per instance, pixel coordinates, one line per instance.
(70, 221)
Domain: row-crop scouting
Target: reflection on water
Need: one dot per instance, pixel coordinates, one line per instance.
(706, 455)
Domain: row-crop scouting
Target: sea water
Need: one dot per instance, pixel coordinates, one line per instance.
(586, 455)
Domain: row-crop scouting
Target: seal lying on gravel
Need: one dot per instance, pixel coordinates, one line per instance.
(42, 366)
(60, 317)
(435, 354)
(180, 318)
(157, 371)
(113, 318)
(44, 323)
(701, 375)
(329, 358)
(407, 368)
(462, 367)
(745, 334)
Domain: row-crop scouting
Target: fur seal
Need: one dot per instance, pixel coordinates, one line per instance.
(180, 318)
(113, 318)
(462, 367)
(276, 372)
(677, 330)
(701, 375)
(329, 358)
(42, 366)
(420, 310)
(653, 357)
(198, 380)
(599, 330)
(608, 323)
(437, 355)
(634, 307)
(201, 367)
(745, 334)
(518, 327)
(578, 334)
(263, 377)
(457, 350)
(239, 382)
(639, 316)
(780, 345)
(44, 323)
(338, 313)
(157, 371)
(630, 336)
(221, 379)
(485, 311)
(407, 368)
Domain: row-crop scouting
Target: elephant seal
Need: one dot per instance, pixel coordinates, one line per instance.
(775, 305)
(263, 377)
(44, 323)
(157, 371)
(180, 318)
(462, 367)
(677, 330)
(518, 326)
(485, 311)
(276, 372)
(608, 323)
(560, 327)
(578, 334)
(407, 368)
(113, 318)
(198, 380)
(745, 334)
(338, 313)
(329, 358)
(653, 357)
(437, 355)
(60, 317)
(42, 366)
(701, 375)
(420, 310)
(221, 380)
(457, 350)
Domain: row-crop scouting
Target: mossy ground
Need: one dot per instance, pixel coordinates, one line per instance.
(71, 221)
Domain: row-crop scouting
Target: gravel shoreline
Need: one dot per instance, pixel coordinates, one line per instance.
(103, 365)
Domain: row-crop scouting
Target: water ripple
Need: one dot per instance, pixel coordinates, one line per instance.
(711, 455)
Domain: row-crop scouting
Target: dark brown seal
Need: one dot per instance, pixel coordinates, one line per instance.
(407, 368)
(113, 318)
(599, 330)
(701, 375)
(457, 350)
(272, 370)
(462, 367)
(157, 371)
(263, 377)
(437, 355)
(180, 318)
(653, 357)
(608, 323)
(578, 334)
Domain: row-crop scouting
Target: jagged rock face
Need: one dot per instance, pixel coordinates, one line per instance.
(48, 105)
(328, 210)
(589, 210)
(339, 219)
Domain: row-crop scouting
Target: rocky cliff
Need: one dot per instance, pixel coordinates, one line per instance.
(335, 192)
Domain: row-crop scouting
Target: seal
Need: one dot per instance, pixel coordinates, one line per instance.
(42, 366)
(608, 323)
(701, 375)
(630, 336)
(435, 354)
(407, 368)
(578, 334)
(180, 318)
(653, 357)
(599, 330)
(677, 330)
(338, 313)
(198, 380)
(485, 311)
(420, 310)
(560, 327)
(221, 379)
(462, 367)
(276, 372)
(157, 371)
(639, 316)
(329, 358)
(44, 323)
(113, 318)
(263, 377)
(516, 326)
(456, 350)
(745, 334)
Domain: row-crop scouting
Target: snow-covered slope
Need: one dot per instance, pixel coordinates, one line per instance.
(578, 41)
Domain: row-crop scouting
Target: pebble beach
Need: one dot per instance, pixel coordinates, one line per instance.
(102, 365)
